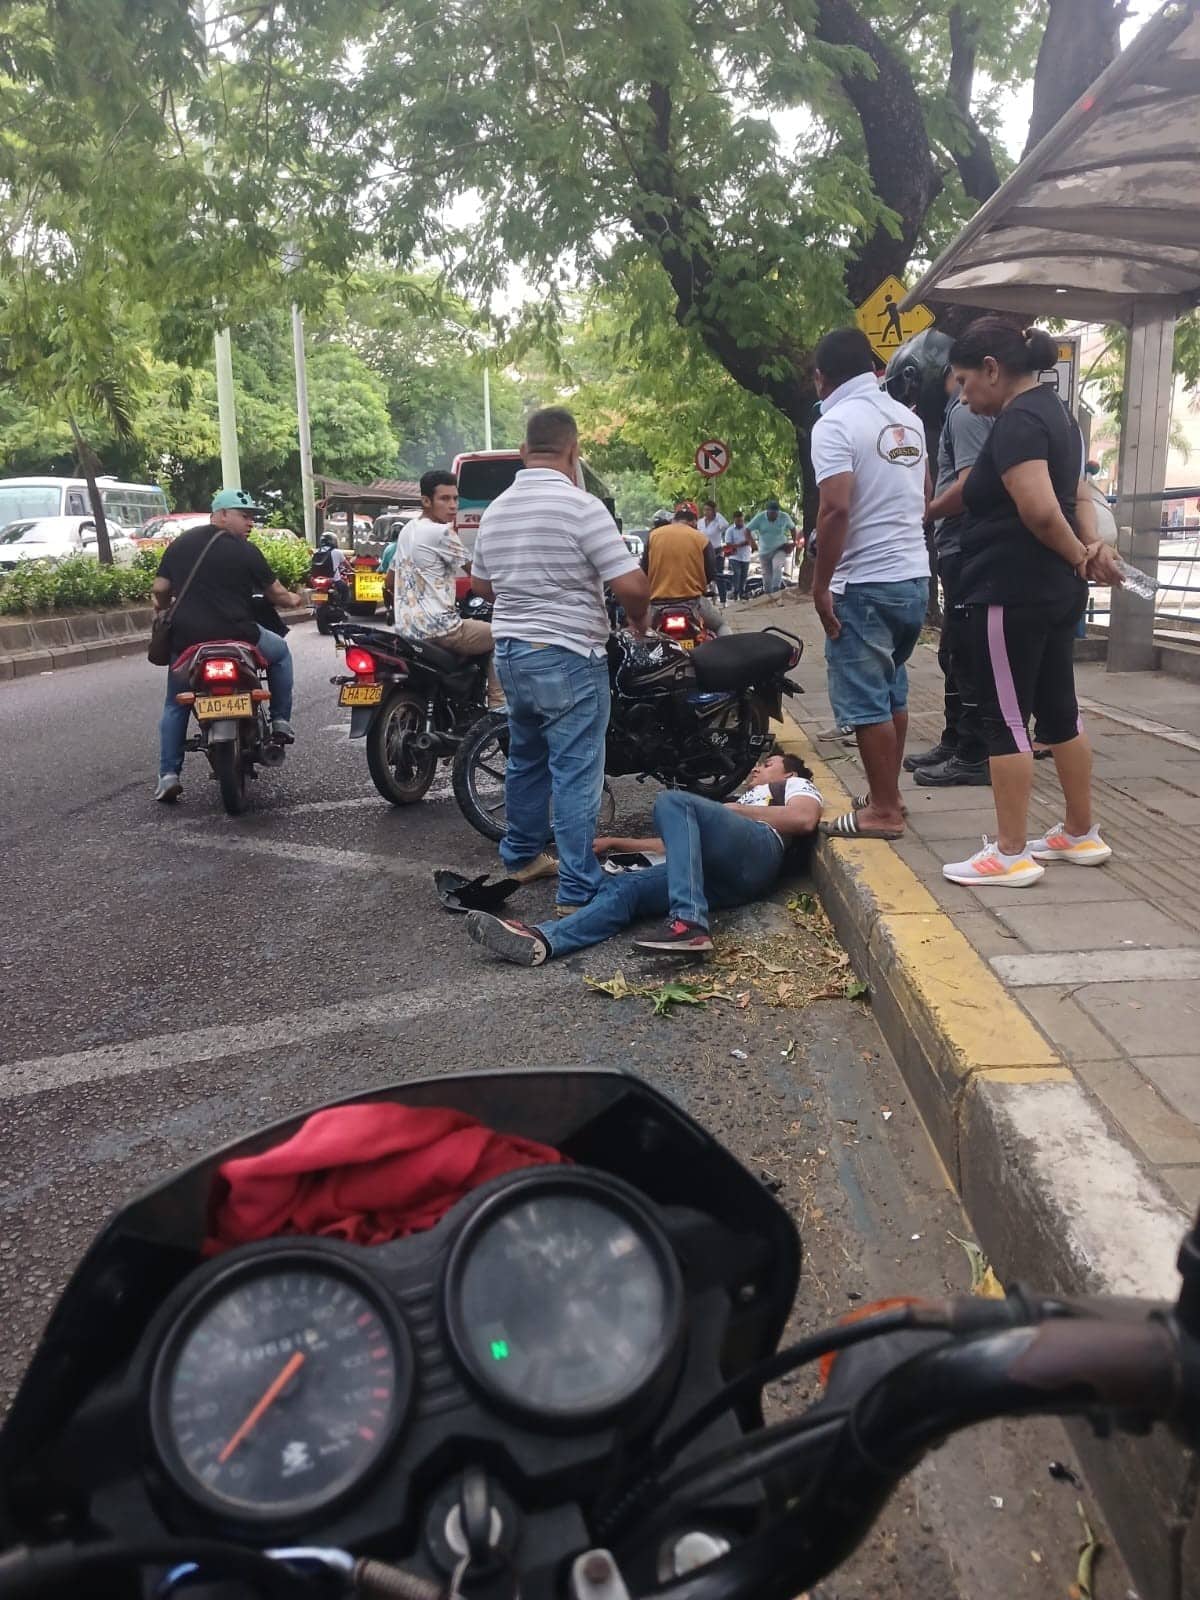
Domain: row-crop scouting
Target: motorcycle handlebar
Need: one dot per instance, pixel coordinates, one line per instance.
(1135, 1367)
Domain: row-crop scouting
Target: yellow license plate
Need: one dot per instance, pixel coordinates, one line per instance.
(368, 586)
(360, 694)
(208, 707)
(319, 599)
(687, 644)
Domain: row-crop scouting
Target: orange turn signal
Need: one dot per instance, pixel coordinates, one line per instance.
(258, 695)
(185, 699)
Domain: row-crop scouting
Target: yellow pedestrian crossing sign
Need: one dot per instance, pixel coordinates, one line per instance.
(883, 322)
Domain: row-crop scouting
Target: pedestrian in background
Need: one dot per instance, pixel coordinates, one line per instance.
(713, 525)
(741, 544)
(871, 585)
(960, 755)
(775, 532)
(545, 550)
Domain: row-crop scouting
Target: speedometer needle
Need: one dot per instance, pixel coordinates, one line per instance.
(274, 1390)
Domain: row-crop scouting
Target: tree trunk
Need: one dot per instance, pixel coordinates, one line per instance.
(1082, 37)
(88, 462)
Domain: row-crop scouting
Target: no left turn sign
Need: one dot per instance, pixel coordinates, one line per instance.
(712, 458)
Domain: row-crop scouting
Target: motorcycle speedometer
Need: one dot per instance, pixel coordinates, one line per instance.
(563, 1298)
(279, 1387)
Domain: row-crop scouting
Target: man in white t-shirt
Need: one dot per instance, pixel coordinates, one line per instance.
(871, 586)
(713, 525)
(429, 557)
(716, 856)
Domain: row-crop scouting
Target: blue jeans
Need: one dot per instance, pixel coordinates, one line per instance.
(715, 858)
(773, 563)
(172, 729)
(558, 705)
(739, 572)
(881, 624)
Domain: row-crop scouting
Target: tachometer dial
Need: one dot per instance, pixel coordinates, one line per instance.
(278, 1389)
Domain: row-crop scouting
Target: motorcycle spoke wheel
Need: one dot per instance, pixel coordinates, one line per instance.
(744, 737)
(401, 773)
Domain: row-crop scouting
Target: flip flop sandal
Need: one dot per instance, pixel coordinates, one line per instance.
(847, 827)
(864, 800)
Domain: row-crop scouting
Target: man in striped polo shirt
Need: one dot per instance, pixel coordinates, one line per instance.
(545, 550)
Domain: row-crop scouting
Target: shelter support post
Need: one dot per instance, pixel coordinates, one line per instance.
(1141, 474)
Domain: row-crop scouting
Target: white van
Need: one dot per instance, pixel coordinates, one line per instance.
(129, 504)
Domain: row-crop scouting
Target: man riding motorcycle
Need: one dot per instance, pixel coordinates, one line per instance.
(223, 573)
(681, 564)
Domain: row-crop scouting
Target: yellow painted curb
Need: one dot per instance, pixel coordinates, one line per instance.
(945, 994)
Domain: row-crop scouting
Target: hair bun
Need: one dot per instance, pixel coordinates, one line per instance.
(1042, 347)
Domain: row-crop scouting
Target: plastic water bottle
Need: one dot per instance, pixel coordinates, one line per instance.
(1136, 581)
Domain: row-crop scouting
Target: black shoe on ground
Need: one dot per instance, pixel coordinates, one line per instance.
(675, 934)
(953, 771)
(933, 757)
(507, 938)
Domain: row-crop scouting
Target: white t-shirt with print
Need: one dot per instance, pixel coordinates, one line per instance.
(862, 430)
(795, 788)
(429, 556)
(740, 539)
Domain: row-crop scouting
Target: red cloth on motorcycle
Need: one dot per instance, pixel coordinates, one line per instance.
(365, 1173)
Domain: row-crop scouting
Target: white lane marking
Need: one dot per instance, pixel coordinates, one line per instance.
(316, 855)
(134, 1056)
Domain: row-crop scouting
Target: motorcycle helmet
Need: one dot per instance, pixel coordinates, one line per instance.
(660, 519)
(328, 542)
(916, 376)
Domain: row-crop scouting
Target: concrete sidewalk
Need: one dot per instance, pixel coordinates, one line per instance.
(1050, 1036)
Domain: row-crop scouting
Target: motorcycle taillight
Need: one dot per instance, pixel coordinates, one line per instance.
(360, 662)
(321, 583)
(221, 669)
(676, 622)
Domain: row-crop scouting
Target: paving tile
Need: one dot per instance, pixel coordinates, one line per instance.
(1146, 1019)
(1161, 798)
(1102, 925)
(1066, 1025)
(1177, 1078)
(923, 802)
(1185, 1181)
(1061, 886)
(953, 824)
(986, 932)
(1162, 1135)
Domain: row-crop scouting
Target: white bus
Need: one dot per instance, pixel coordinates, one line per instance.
(131, 505)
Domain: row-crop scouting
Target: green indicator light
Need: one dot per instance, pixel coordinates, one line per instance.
(499, 1349)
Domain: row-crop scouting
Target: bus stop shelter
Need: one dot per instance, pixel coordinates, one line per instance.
(1101, 223)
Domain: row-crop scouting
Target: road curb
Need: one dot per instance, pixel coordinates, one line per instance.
(70, 651)
(1056, 1197)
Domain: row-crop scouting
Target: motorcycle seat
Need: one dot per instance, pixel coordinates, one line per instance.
(740, 659)
(433, 655)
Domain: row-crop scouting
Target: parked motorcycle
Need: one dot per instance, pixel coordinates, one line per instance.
(697, 720)
(228, 695)
(412, 701)
(549, 1384)
(357, 592)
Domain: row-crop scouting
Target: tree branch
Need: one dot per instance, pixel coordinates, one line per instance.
(1082, 37)
(976, 164)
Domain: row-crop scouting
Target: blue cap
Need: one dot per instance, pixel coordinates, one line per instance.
(236, 500)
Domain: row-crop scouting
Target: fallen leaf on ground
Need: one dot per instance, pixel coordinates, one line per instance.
(1081, 1589)
(984, 1281)
(789, 1050)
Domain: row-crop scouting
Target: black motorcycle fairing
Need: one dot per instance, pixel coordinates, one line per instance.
(604, 1119)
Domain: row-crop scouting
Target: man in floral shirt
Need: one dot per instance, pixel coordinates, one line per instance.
(429, 557)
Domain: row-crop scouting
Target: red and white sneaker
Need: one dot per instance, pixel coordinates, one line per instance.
(689, 938)
(1083, 850)
(991, 866)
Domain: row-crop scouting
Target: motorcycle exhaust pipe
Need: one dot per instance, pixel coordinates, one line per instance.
(425, 741)
(273, 754)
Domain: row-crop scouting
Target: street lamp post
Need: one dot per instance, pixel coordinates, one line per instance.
(485, 345)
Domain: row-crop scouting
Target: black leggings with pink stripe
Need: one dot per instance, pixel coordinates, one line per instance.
(1022, 665)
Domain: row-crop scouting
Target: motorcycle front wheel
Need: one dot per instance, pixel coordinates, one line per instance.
(480, 764)
(226, 759)
(401, 773)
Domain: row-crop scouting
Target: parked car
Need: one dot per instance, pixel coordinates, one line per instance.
(56, 538)
(171, 526)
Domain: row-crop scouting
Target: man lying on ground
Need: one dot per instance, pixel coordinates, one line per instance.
(716, 856)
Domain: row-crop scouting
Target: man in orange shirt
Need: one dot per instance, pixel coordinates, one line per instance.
(681, 563)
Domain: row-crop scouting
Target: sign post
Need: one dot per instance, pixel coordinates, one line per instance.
(712, 458)
(883, 322)
(1063, 375)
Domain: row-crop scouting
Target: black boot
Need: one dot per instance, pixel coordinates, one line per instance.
(954, 771)
(929, 758)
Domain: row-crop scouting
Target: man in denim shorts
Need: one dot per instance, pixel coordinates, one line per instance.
(871, 586)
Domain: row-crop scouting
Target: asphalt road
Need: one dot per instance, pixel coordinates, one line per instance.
(173, 978)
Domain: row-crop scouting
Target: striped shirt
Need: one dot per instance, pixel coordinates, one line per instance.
(548, 549)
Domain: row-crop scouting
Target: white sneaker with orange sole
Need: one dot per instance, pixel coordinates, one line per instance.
(989, 866)
(1086, 850)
